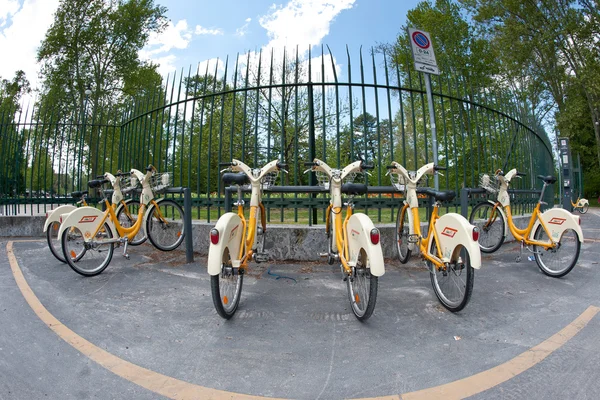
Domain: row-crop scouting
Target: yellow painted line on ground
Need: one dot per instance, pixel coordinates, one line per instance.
(178, 389)
(158, 383)
(494, 376)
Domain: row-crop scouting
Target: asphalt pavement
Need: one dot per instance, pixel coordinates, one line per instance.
(293, 337)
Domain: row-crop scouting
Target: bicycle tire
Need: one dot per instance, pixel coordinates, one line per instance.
(54, 242)
(225, 283)
(260, 234)
(330, 238)
(127, 220)
(402, 232)
(545, 259)
(362, 284)
(455, 270)
(583, 209)
(165, 236)
(92, 262)
(491, 236)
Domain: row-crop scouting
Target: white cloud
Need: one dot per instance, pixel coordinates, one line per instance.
(21, 32)
(301, 22)
(176, 36)
(243, 30)
(200, 30)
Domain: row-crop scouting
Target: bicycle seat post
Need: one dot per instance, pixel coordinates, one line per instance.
(240, 200)
(542, 194)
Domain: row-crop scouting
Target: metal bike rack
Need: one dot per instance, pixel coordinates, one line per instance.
(187, 219)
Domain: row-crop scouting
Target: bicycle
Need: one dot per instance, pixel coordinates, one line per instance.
(234, 241)
(54, 218)
(581, 205)
(97, 232)
(450, 247)
(355, 241)
(555, 236)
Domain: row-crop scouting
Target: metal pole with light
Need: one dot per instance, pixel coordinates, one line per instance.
(424, 58)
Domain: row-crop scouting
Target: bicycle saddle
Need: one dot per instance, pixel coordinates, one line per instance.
(235, 178)
(354, 188)
(77, 195)
(548, 179)
(97, 183)
(446, 195)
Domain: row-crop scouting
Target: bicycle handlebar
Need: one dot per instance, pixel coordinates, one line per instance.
(367, 166)
(521, 174)
(438, 168)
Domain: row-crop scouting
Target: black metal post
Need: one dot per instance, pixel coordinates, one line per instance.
(187, 225)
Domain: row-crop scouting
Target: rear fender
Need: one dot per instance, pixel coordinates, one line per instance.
(358, 232)
(583, 202)
(86, 219)
(453, 230)
(54, 215)
(230, 229)
(558, 220)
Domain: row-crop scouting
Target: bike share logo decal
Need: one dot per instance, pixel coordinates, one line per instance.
(232, 234)
(557, 221)
(354, 232)
(450, 232)
(88, 219)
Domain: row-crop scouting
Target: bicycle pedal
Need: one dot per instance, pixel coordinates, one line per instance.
(323, 255)
(126, 256)
(261, 257)
(414, 238)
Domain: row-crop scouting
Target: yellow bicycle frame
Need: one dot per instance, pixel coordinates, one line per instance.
(341, 240)
(523, 234)
(425, 241)
(249, 232)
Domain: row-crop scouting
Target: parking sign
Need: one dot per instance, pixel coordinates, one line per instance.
(422, 50)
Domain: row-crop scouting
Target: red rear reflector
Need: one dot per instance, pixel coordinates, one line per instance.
(214, 237)
(375, 236)
(476, 234)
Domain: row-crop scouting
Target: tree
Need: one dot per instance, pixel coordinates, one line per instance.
(94, 44)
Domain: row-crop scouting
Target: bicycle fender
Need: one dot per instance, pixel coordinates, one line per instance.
(86, 219)
(54, 215)
(149, 211)
(583, 202)
(358, 232)
(411, 229)
(558, 220)
(453, 230)
(230, 237)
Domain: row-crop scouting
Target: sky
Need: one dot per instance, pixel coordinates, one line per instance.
(199, 31)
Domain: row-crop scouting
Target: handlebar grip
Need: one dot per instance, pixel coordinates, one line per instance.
(149, 168)
(309, 164)
(281, 165)
(100, 177)
(521, 174)
(225, 164)
(123, 174)
(390, 167)
(438, 168)
(367, 166)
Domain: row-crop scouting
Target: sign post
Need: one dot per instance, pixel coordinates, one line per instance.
(424, 59)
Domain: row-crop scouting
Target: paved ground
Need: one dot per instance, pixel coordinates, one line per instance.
(294, 338)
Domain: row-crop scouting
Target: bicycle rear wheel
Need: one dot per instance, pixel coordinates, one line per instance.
(561, 260)
(584, 209)
(226, 287)
(54, 241)
(127, 217)
(362, 288)
(87, 258)
(402, 232)
(164, 225)
(453, 285)
(491, 224)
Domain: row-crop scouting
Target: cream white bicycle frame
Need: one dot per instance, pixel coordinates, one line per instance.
(449, 231)
(353, 234)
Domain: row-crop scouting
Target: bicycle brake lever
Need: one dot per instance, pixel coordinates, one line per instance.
(368, 173)
(223, 170)
(308, 170)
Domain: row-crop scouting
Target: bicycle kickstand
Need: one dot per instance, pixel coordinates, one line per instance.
(518, 259)
(125, 254)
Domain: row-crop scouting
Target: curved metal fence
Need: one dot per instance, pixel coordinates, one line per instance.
(284, 105)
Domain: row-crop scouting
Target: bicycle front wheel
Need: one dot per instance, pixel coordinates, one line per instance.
(491, 224)
(54, 241)
(164, 225)
(402, 232)
(453, 284)
(226, 287)
(128, 216)
(362, 288)
(561, 260)
(87, 258)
